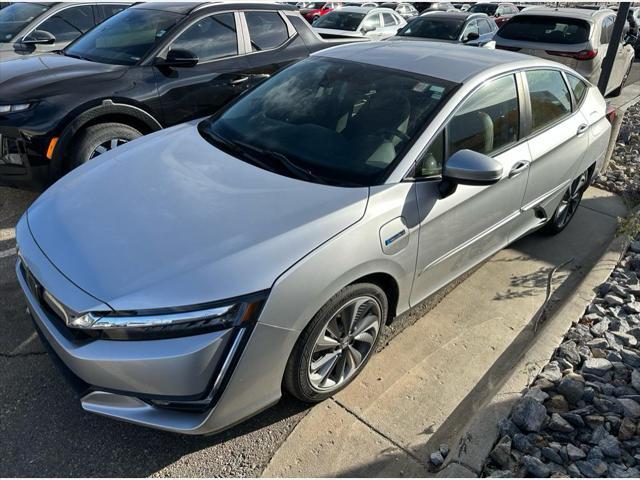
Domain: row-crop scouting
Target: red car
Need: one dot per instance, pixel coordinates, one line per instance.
(501, 12)
(311, 11)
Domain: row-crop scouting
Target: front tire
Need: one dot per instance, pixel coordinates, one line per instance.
(568, 205)
(337, 344)
(98, 139)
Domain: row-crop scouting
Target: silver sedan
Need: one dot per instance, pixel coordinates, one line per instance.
(185, 279)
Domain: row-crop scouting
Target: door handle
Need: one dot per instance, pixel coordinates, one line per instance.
(582, 128)
(518, 168)
(238, 81)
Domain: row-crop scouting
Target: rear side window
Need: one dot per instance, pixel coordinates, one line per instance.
(488, 120)
(485, 27)
(70, 23)
(538, 28)
(607, 30)
(266, 29)
(578, 86)
(550, 99)
(210, 38)
(389, 19)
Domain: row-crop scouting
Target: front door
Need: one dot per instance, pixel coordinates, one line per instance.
(219, 76)
(470, 224)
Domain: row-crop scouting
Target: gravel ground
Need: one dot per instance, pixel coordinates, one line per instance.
(581, 417)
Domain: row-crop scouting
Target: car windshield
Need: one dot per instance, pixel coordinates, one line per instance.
(125, 38)
(436, 28)
(329, 121)
(488, 8)
(530, 28)
(17, 16)
(337, 20)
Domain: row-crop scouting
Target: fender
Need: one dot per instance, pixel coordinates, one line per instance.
(107, 107)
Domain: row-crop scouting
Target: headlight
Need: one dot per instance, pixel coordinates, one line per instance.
(18, 107)
(164, 324)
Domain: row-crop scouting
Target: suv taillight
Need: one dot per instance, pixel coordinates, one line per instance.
(581, 55)
(611, 114)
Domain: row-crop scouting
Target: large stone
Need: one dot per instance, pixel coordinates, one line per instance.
(501, 453)
(572, 387)
(627, 429)
(574, 453)
(436, 459)
(635, 379)
(612, 299)
(597, 366)
(631, 407)
(569, 351)
(552, 372)
(529, 415)
(557, 404)
(537, 394)
(522, 443)
(507, 427)
(599, 328)
(559, 424)
(630, 358)
(535, 467)
(550, 454)
(610, 446)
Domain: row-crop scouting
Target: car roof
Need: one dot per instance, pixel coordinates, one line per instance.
(460, 15)
(186, 8)
(581, 13)
(455, 63)
(356, 9)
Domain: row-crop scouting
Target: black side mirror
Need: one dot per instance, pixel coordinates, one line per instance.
(367, 29)
(467, 167)
(178, 57)
(471, 36)
(39, 37)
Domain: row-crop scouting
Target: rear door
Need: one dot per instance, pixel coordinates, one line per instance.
(557, 139)
(390, 25)
(219, 76)
(271, 43)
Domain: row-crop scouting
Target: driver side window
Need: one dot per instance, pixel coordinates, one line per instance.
(372, 21)
(210, 37)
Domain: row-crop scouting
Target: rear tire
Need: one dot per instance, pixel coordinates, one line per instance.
(337, 344)
(100, 138)
(568, 206)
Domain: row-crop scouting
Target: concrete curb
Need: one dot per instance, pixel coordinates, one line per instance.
(477, 439)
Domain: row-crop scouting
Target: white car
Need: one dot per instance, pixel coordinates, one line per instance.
(369, 22)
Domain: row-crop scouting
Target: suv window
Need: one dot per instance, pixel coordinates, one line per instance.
(372, 21)
(550, 99)
(488, 120)
(484, 26)
(547, 29)
(70, 23)
(210, 38)
(389, 19)
(266, 29)
(472, 26)
(104, 11)
(607, 30)
(578, 87)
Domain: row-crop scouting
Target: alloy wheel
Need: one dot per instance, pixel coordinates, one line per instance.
(570, 201)
(106, 146)
(344, 344)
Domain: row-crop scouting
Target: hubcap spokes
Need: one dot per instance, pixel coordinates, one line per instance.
(345, 343)
(106, 146)
(571, 200)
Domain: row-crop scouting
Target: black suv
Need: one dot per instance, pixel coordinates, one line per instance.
(151, 66)
(28, 28)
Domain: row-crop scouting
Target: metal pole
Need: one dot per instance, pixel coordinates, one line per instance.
(612, 49)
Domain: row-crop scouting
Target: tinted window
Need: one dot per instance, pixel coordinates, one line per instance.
(17, 16)
(550, 99)
(338, 20)
(429, 27)
(578, 86)
(69, 24)
(80, 17)
(372, 21)
(487, 8)
(607, 30)
(472, 27)
(267, 30)
(388, 19)
(102, 12)
(126, 38)
(485, 27)
(210, 38)
(488, 120)
(362, 116)
(538, 28)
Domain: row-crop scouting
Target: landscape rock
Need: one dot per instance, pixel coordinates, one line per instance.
(559, 424)
(572, 387)
(535, 467)
(529, 415)
(597, 366)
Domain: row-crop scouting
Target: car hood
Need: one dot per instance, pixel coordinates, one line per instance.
(169, 220)
(32, 77)
(402, 38)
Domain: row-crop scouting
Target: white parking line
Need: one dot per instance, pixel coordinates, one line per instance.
(7, 234)
(8, 253)
(19, 348)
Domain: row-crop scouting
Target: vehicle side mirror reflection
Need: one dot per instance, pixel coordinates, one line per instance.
(367, 29)
(178, 57)
(471, 36)
(466, 167)
(39, 37)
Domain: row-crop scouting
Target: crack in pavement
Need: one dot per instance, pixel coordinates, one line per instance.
(19, 355)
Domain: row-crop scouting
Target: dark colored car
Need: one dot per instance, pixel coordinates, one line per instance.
(501, 12)
(441, 6)
(474, 29)
(405, 10)
(152, 66)
(312, 11)
(31, 28)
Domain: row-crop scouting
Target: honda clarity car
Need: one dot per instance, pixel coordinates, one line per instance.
(187, 279)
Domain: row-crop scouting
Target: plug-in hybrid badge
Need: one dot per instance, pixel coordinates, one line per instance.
(394, 236)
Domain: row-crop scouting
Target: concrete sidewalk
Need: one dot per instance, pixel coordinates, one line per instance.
(425, 386)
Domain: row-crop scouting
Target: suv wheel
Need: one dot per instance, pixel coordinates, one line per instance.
(98, 139)
(337, 344)
(568, 205)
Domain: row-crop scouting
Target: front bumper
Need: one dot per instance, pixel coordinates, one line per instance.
(226, 376)
(23, 163)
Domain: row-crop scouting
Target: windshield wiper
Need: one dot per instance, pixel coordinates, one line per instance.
(72, 55)
(238, 150)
